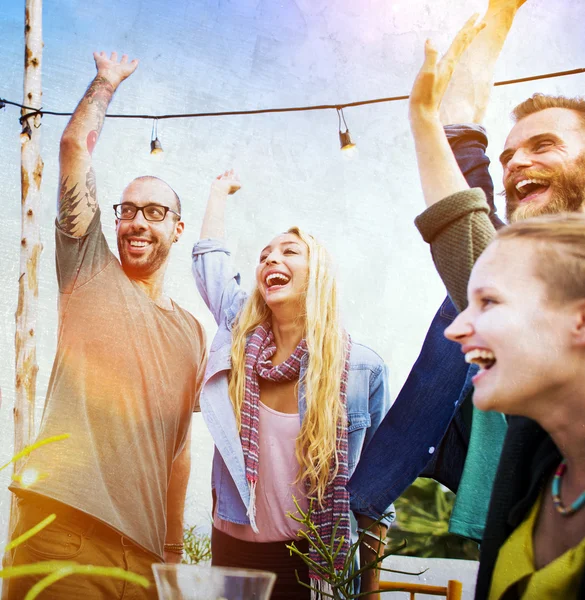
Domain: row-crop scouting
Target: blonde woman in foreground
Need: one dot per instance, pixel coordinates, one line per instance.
(525, 327)
(289, 398)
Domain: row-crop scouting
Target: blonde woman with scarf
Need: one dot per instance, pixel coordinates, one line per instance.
(290, 399)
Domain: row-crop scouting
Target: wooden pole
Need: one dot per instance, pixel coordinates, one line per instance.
(30, 243)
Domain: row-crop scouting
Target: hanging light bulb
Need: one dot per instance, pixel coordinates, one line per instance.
(344, 137)
(155, 145)
(345, 140)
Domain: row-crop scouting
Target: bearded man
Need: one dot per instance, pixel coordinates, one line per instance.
(432, 429)
(544, 158)
(125, 381)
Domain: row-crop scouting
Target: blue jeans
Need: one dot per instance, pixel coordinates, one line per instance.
(426, 432)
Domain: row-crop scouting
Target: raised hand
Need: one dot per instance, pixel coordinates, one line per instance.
(467, 97)
(434, 76)
(223, 185)
(227, 183)
(113, 70)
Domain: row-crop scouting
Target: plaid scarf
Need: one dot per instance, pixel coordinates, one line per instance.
(335, 509)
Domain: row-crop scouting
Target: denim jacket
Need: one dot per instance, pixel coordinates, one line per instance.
(368, 396)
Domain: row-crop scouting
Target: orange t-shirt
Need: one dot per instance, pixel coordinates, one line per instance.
(125, 382)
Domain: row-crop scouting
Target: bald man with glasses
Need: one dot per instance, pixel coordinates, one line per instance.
(125, 382)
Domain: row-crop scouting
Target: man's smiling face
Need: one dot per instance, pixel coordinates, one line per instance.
(144, 245)
(544, 164)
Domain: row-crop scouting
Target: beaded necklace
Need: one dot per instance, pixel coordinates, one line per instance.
(556, 493)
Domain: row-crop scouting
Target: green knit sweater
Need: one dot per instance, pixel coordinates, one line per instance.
(458, 229)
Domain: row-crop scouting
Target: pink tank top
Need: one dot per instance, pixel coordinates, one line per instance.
(278, 468)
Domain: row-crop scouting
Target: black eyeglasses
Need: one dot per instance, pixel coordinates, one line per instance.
(151, 212)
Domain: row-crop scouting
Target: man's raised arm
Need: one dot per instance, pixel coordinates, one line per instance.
(468, 93)
(439, 172)
(77, 186)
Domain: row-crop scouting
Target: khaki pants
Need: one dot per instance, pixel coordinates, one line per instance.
(75, 536)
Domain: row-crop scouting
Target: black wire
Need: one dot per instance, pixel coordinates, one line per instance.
(26, 117)
(259, 111)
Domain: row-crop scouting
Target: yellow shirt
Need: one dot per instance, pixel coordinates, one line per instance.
(514, 570)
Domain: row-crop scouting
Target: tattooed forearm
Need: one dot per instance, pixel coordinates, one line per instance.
(88, 118)
(70, 202)
(99, 93)
(99, 89)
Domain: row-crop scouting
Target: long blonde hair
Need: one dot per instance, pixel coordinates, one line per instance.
(317, 441)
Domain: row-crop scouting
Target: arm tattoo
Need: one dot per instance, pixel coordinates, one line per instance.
(98, 88)
(70, 199)
(100, 92)
(91, 141)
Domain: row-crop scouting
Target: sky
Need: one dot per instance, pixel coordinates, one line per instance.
(218, 55)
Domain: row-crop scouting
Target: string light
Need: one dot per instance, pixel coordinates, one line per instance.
(156, 147)
(344, 137)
